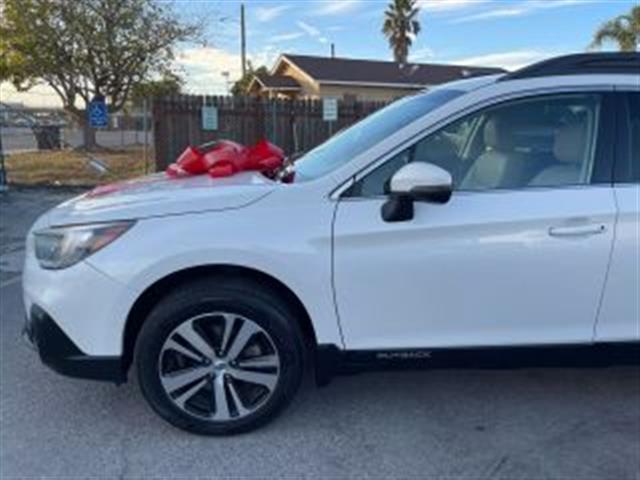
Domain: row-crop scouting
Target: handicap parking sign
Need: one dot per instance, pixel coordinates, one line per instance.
(98, 115)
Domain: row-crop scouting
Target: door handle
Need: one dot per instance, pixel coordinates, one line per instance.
(577, 231)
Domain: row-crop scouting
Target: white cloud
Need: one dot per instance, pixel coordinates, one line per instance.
(512, 60)
(542, 4)
(286, 36)
(337, 7)
(421, 54)
(308, 29)
(38, 96)
(447, 5)
(266, 14)
(202, 67)
(515, 9)
(197, 57)
(313, 32)
(490, 14)
(266, 56)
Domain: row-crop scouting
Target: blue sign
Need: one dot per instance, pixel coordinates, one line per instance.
(98, 114)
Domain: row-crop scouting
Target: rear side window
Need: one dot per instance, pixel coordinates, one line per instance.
(633, 166)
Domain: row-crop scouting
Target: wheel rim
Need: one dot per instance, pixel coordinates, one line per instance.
(219, 366)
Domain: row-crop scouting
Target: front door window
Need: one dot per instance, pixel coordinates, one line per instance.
(546, 141)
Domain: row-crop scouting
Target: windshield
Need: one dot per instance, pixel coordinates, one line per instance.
(343, 147)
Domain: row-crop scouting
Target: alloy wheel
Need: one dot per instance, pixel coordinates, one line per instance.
(219, 366)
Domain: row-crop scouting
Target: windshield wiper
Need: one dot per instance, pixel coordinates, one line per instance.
(287, 169)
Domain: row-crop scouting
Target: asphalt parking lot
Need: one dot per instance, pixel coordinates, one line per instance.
(530, 423)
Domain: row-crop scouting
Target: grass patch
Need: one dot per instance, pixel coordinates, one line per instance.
(71, 167)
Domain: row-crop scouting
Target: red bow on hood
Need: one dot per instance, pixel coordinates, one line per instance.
(225, 158)
(219, 159)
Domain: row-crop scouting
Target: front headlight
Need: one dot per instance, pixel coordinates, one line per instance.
(61, 247)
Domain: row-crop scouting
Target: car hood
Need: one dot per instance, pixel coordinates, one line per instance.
(159, 195)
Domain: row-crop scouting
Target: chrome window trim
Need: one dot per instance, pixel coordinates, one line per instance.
(500, 191)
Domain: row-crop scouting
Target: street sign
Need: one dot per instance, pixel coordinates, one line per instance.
(209, 117)
(98, 114)
(330, 109)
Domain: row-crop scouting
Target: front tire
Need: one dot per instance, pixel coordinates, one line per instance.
(220, 356)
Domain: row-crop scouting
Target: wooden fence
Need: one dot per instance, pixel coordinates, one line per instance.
(294, 125)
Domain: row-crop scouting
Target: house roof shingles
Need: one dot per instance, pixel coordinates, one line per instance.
(278, 81)
(328, 70)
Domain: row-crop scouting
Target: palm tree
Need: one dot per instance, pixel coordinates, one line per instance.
(624, 30)
(400, 27)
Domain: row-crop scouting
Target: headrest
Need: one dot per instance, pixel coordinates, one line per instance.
(497, 134)
(570, 143)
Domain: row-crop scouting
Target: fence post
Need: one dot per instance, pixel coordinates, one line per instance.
(3, 172)
(259, 120)
(161, 138)
(274, 124)
(145, 121)
(291, 123)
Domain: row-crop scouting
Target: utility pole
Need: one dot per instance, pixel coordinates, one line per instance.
(243, 41)
(333, 50)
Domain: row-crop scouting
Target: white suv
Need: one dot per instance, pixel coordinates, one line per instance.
(499, 211)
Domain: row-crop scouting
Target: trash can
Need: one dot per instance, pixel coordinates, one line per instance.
(47, 137)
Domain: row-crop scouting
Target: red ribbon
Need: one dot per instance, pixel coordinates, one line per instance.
(220, 159)
(225, 158)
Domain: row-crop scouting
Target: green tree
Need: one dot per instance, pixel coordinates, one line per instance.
(86, 48)
(623, 30)
(400, 26)
(241, 86)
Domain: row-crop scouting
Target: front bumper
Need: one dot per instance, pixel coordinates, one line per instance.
(58, 351)
(90, 307)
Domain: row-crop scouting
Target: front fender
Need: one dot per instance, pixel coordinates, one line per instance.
(157, 248)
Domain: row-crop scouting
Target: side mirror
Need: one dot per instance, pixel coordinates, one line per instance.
(415, 182)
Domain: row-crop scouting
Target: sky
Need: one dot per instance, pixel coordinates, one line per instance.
(503, 33)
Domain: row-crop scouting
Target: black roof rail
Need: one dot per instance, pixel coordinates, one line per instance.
(580, 63)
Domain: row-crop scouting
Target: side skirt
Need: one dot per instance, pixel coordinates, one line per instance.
(331, 361)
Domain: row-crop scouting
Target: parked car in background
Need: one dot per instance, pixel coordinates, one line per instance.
(488, 221)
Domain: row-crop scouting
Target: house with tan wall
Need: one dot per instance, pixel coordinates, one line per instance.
(311, 77)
